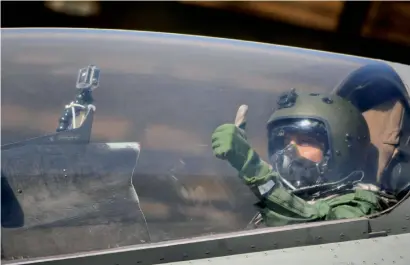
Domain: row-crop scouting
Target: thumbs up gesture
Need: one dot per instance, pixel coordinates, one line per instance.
(240, 119)
(229, 141)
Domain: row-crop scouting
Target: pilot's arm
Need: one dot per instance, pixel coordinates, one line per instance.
(280, 206)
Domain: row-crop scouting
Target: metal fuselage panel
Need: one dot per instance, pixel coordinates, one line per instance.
(61, 199)
(381, 251)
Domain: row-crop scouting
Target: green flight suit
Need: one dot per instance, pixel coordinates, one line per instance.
(280, 206)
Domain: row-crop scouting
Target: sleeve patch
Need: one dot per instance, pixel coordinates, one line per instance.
(266, 188)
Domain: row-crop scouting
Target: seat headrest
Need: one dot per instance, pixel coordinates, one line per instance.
(385, 122)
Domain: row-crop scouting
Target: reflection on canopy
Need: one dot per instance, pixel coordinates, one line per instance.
(166, 92)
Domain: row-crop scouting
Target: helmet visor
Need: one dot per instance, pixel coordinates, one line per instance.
(299, 150)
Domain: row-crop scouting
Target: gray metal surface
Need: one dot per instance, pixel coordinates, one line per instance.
(218, 245)
(381, 251)
(64, 198)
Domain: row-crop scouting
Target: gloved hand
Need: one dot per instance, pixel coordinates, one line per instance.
(229, 143)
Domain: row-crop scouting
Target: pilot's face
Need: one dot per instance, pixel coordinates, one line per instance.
(307, 147)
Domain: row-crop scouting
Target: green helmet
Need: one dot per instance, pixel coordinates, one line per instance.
(328, 122)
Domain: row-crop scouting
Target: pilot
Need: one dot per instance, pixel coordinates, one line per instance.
(317, 147)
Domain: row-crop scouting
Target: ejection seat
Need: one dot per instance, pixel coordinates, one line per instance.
(385, 123)
(379, 93)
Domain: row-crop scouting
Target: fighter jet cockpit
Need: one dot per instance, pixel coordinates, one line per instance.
(114, 139)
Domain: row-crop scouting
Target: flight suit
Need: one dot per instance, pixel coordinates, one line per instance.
(280, 207)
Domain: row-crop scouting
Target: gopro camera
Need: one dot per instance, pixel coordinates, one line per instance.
(88, 78)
